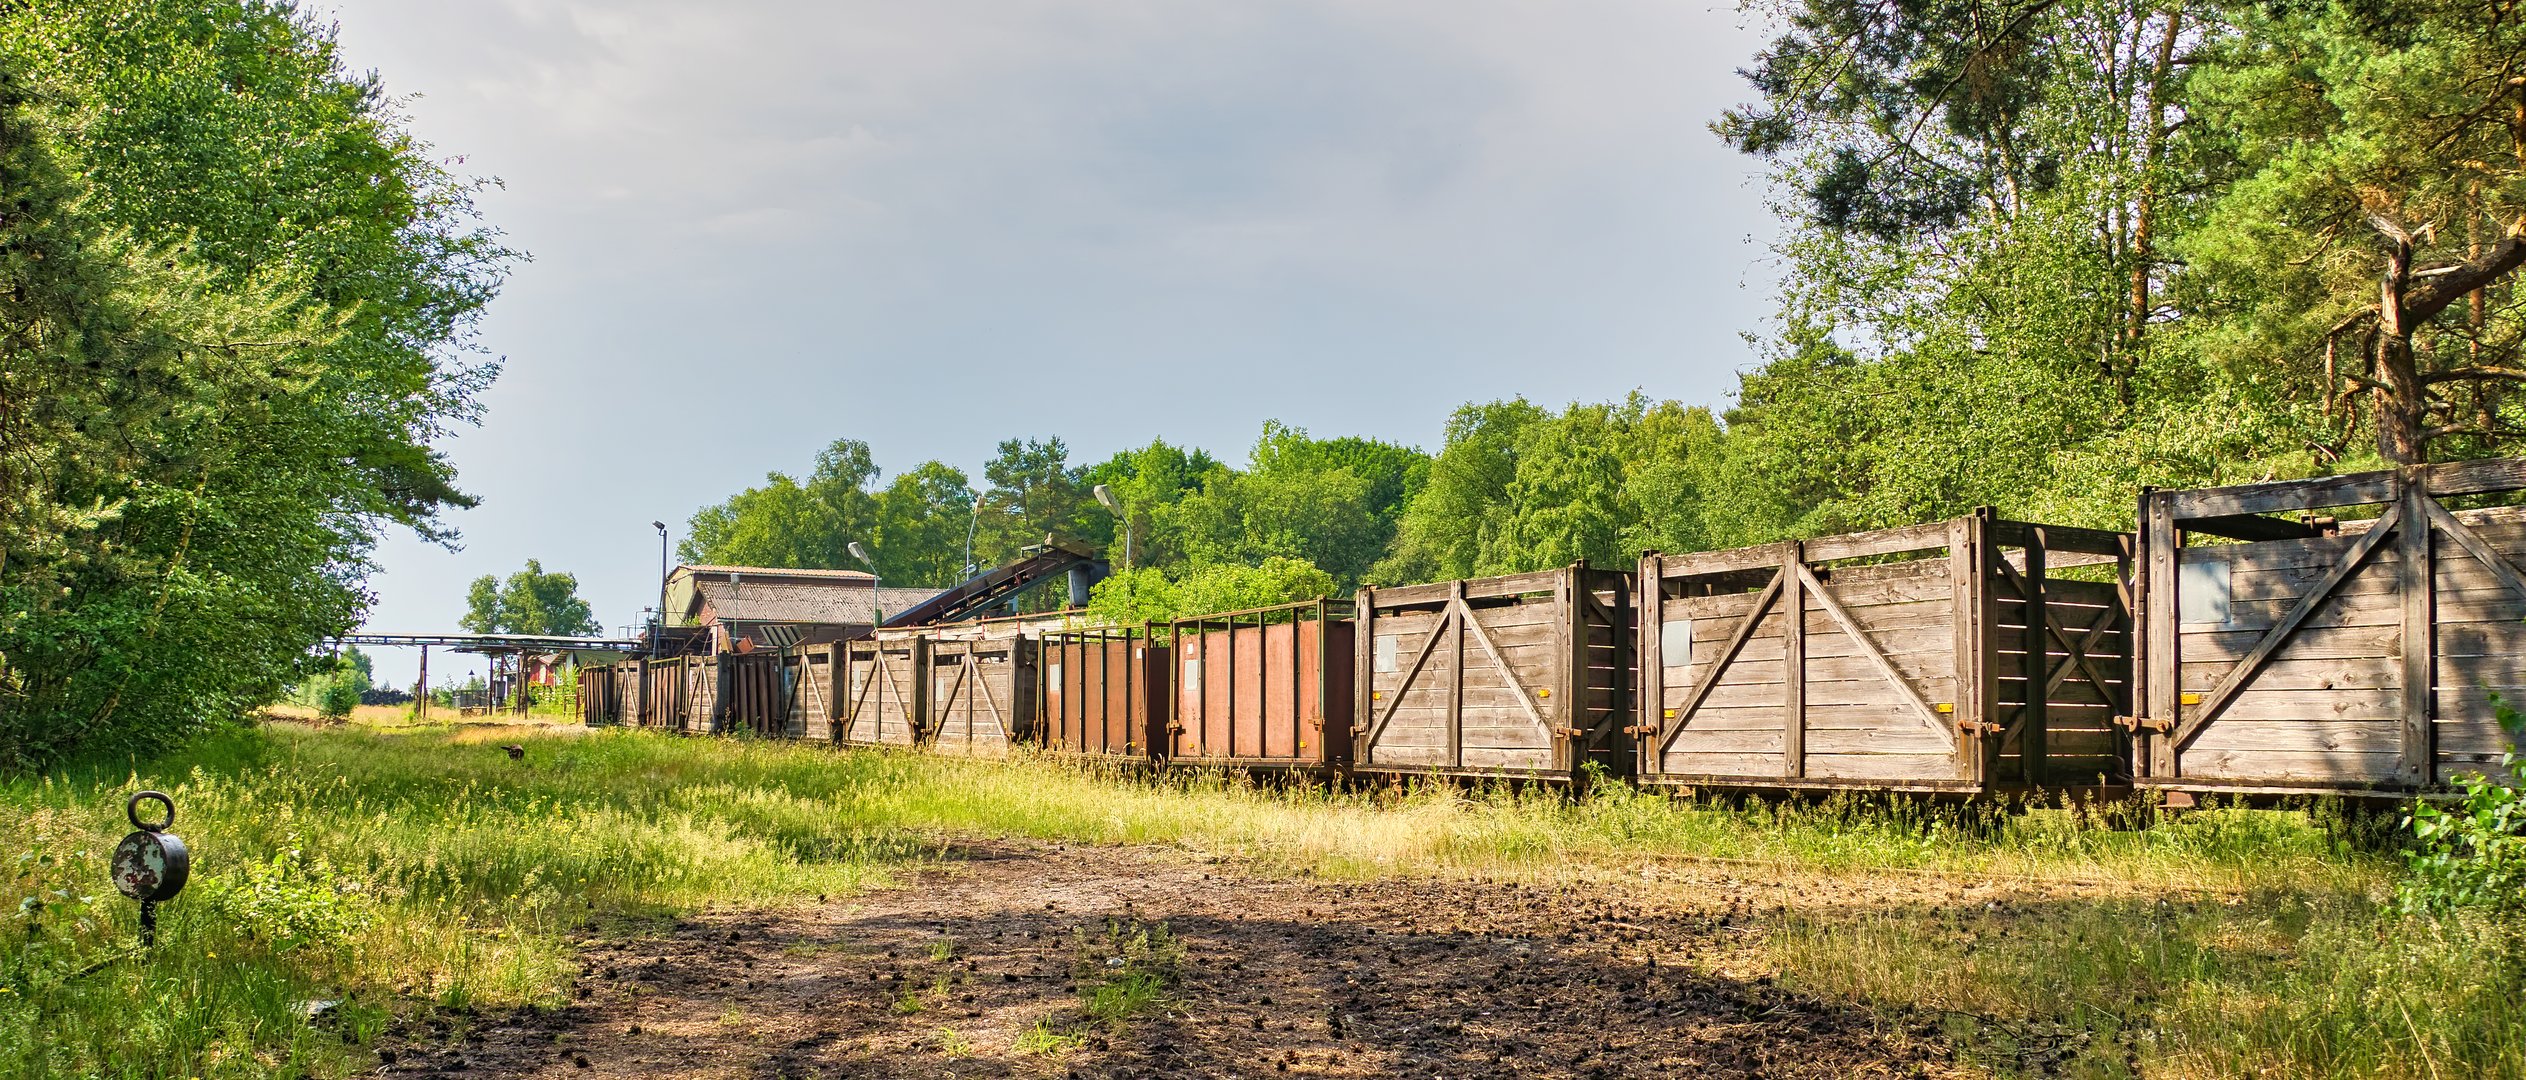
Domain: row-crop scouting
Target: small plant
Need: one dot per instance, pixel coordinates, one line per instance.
(952, 1044)
(1126, 971)
(2473, 856)
(1042, 1039)
(909, 1002)
(944, 949)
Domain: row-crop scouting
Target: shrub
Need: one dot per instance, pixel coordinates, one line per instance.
(2474, 854)
(336, 696)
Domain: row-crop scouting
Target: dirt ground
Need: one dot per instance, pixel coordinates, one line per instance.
(942, 977)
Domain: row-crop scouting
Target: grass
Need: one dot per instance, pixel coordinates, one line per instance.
(420, 869)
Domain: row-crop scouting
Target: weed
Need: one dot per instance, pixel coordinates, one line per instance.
(952, 1044)
(944, 949)
(1125, 972)
(1043, 1039)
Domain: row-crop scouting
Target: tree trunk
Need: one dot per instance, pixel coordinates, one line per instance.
(2401, 436)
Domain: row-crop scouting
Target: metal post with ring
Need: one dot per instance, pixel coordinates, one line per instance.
(151, 864)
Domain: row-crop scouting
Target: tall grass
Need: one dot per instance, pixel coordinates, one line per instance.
(424, 869)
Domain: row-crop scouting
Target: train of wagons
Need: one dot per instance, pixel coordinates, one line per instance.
(2345, 635)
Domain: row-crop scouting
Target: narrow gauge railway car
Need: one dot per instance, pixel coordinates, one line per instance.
(807, 675)
(882, 703)
(1889, 660)
(752, 695)
(1527, 675)
(1264, 689)
(701, 696)
(2303, 655)
(662, 693)
(625, 684)
(981, 694)
(1105, 694)
(596, 695)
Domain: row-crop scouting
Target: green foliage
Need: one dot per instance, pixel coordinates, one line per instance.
(289, 902)
(1152, 596)
(2474, 855)
(531, 601)
(232, 385)
(1519, 488)
(1124, 972)
(336, 697)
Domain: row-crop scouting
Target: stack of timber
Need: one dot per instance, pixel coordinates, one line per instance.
(981, 694)
(1528, 675)
(1890, 660)
(2309, 657)
(1267, 688)
(808, 675)
(882, 702)
(1105, 693)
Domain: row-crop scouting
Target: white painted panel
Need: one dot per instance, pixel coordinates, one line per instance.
(2201, 592)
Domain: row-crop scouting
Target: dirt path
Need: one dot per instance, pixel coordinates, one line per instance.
(943, 977)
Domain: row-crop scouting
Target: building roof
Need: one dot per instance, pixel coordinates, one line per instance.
(753, 600)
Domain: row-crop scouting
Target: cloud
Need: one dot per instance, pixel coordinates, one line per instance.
(759, 226)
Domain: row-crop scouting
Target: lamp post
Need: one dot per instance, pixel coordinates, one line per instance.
(876, 608)
(1114, 506)
(658, 626)
(975, 501)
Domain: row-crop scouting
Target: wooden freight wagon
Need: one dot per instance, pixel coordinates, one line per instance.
(753, 696)
(625, 686)
(807, 675)
(701, 695)
(884, 702)
(596, 695)
(662, 693)
(1268, 688)
(981, 694)
(1105, 693)
(1527, 675)
(1890, 660)
(2309, 656)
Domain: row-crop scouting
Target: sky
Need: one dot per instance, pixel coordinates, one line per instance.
(756, 227)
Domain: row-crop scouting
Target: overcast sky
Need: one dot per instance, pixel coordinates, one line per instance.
(759, 226)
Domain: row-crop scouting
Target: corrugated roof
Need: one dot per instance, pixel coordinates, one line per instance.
(837, 602)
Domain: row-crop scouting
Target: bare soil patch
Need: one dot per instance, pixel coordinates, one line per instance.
(1280, 977)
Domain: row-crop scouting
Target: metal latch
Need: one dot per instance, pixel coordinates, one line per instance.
(1641, 729)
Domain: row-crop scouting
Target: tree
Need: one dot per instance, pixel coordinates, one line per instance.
(1151, 483)
(529, 602)
(2378, 220)
(922, 523)
(788, 524)
(213, 396)
(1037, 494)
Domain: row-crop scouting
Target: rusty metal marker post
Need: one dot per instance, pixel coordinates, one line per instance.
(151, 864)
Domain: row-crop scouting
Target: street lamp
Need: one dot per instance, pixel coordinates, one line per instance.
(1114, 506)
(974, 499)
(658, 615)
(876, 608)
